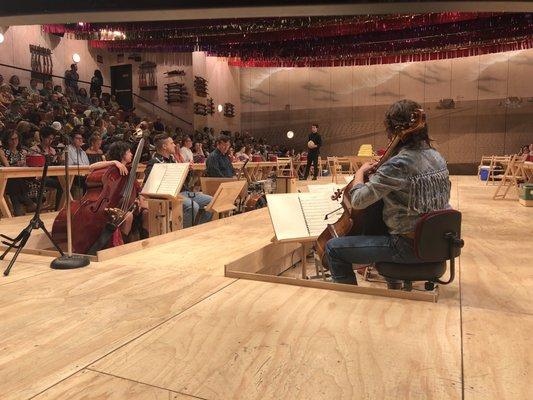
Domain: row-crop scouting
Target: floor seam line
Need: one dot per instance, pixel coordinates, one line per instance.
(26, 277)
(161, 323)
(131, 340)
(461, 310)
(140, 382)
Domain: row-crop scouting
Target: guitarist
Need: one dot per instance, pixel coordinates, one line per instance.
(412, 182)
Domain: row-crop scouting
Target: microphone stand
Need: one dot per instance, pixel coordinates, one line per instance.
(35, 223)
(69, 261)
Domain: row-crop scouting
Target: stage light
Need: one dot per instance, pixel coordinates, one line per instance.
(1, 37)
(76, 58)
(290, 134)
(220, 108)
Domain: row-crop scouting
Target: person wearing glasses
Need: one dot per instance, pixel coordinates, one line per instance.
(17, 189)
(77, 157)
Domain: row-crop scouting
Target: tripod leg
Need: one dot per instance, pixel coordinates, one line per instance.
(26, 235)
(41, 225)
(6, 251)
(14, 242)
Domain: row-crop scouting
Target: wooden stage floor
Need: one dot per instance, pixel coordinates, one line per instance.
(164, 323)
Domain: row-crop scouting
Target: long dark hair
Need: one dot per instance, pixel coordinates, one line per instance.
(117, 150)
(7, 136)
(399, 117)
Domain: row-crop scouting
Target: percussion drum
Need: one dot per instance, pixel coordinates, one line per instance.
(255, 201)
(35, 160)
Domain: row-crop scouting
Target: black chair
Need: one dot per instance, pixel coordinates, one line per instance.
(437, 239)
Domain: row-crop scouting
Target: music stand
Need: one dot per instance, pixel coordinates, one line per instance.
(35, 223)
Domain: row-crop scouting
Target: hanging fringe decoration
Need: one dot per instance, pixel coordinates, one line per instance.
(429, 191)
(318, 41)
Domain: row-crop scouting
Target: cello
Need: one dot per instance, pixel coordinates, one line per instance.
(97, 216)
(368, 221)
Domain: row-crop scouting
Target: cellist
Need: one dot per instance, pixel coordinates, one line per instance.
(108, 210)
(415, 180)
(119, 156)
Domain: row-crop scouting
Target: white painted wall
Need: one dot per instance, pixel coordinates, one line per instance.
(224, 87)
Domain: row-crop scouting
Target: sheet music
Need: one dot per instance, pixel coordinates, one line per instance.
(330, 188)
(166, 180)
(300, 216)
(315, 208)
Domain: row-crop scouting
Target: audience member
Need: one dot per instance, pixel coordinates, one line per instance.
(47, 89)
(218, 164)
(94, 152)
(47, 135)
(198, 153)
(194, 201)
(96, 84)
(33, 87)
(185, 150)
(14, 82)
(17, 189)
(72, 77)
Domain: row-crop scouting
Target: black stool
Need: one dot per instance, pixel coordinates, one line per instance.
(437, 239)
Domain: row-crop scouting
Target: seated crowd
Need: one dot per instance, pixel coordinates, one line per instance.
(44, 118)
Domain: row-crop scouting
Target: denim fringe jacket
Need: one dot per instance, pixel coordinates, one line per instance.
(411, 183)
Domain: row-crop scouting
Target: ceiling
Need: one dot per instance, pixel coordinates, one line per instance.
(317, 41)
(29, 12)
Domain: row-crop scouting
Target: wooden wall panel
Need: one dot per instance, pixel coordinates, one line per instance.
(387, 92)
(279, 99)
(364, 101)
(519, 121)
(492, 108)
(300, 105)
(341, 112)
(260, 91)
(464, 90)
(491, 111)
(437, 92)
(246, 99)
(412, 78)
(319, 93)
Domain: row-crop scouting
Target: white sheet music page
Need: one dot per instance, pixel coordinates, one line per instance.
(166, 180)
(315, 207)
(330, 188)
(300, 216)
(287, 217)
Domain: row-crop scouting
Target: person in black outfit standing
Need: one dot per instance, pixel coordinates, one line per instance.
(96, 84)
(313, 145)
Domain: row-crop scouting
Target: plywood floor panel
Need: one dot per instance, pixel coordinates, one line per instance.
(497, 354)
(257, 340)
(496, 287)
(55, 324)
(26, 266)
(141, 317)
(207, 248)
(91, 385)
